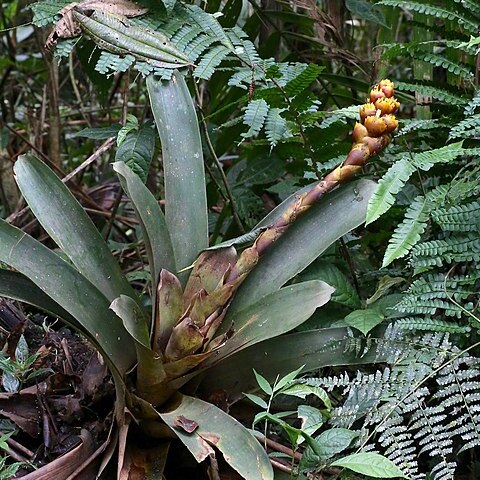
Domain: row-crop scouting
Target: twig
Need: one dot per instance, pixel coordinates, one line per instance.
(278, 446)
(351, 266)
(280, 466)
(230, 199)
(118, 198)
(75, 88)
(95, 155)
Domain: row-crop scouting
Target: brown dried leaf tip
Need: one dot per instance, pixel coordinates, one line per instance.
(68, 27)
(185, 424)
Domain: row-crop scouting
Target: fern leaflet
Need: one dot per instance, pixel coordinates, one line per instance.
(388, 186)
(255, 115)
(408, 233)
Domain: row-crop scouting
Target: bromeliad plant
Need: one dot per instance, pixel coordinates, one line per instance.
(209, 304)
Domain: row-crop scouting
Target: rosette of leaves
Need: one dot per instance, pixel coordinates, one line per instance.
(193, 326)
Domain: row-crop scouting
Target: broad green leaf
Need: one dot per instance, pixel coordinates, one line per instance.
(262, 383)
(311, 234)
(370, 464)
(71, 290)
(99, 133)
(185, 195)
(130, 125)
(150, 371)
(327, 444)
(364, 320)
(385, 283)
(302, 391)
(70, 227)
(294, 434)
(134, 319)
(137, 150)
(18, 287)
(314, 349)
(257, 400)
(367, 11)
(155, 233)
(274, 315)
(345, 293)
(287, 379)
(217, 429)
(311, 417)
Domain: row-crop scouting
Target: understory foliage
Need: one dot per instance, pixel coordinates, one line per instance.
(421, 408)
(277, 91)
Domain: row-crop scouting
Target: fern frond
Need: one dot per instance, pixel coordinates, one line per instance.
(469, 127)
(456, 248)
(341, 115)
(411, 306)
(255, 115)
(244, 48)
(473, 104)
(426, 160)
(210, 61)
(302, 80)
(408, 233)
(275, 126)
(444, 62)
(184, 35)
(429, 91)
(111, 63)
(388, 186)
(459, 218)
(210, 25)
(434, 11)
(409, 126)
(46, 12)
(472, 5)
(431, 325)
(196, 47)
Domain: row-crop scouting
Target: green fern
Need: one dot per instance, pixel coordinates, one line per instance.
(210, 25)
(210, 62)
(458, 218)
(46, 12)
(302, 81)
(456, 248)
(388, 187)
(431, 325)
(409, 126)
(434, 11)
(255, 115)
(408, 233)
(431, 91)
(473, 104)
(444, 62)
(470, 127)
(275, 126)
(472, 5)
(405, 416)
(426, 160)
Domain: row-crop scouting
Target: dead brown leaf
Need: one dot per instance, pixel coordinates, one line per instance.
(68, 27)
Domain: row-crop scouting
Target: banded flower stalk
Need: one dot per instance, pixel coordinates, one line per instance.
(216, 275)
(370, 136)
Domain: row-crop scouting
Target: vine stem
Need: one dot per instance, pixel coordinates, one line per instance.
(229, 197)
